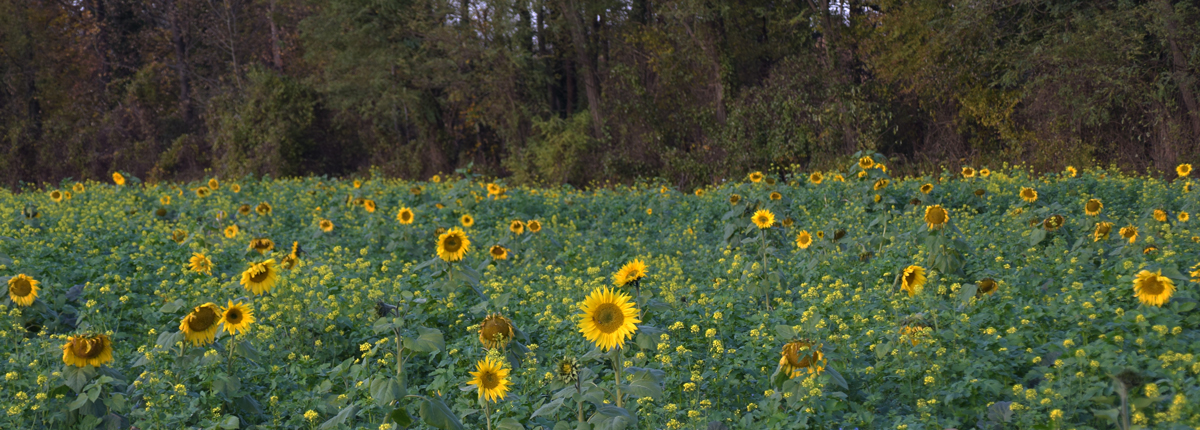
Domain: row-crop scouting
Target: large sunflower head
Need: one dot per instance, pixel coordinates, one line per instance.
(775, 195)
(87, 350)
(800, 357)
(535, 225)
(1152, 288)
(866, 163)
(467, 220)
(262, 245)
(200, 325)
(608, 318)
(1029, 194)
(763, 218)
(22, 289)
(756, 177)
(987, 286)
(1053, 222)
(936, 216)
(260, 277)
(1183, 169)
(263, 208)
(326, 225)
(631, 271)
(498, 252)
(453, 245)
(405, 216)
(912, 280)
(968, 172)
(1130, 233)
(237, 318)
(816, 178)
(734, 199)
(118, 178)
(491, 379)
(200, 263)
(1102, 230)
(516, 226)
(1093, 207)
(1160, 215)
(495, 331)
(231, 231)
(56, 196)
(804, 239)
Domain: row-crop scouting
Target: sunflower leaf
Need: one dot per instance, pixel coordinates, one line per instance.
(785, 331)
(509, 424)
(401, 418)
(608, 417)
(339, 419)
(435, 413)
(837, 377)
(427, 340)
(549, 408)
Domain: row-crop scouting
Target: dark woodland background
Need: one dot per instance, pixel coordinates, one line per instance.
(586, 91)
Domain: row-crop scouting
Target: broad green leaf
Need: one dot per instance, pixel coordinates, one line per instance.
(437, 414)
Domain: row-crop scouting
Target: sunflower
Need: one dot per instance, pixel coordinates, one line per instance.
(491, 378)
(357, 183)
(213, 184)
(467, 220)
(1102, 231)
(22, 289)
(1130, 233)
(1028, 194)
(260, 277)
(437, 179)
(56, 196)
(915, 202)
(179, 236)
(453, 245)
(160, 212)
(912, 280)
(1149, 249)
(866, 163)
(244, 210)
(1093, 207)
(235, 188)
(1160, 215)
(200, 325)
(699, 192)
(798, 356)
(495, 331)
(775, 195)
(203, 192)
(326, 225)
(986, 286)
(262, 245)
(289, 261)
(936, 216)
(839, 178)
(608, 318)
(816, 178)
(118, 178)
(788, 222)
(567, 370)
(1071, 171)
(984, 172)
(1053, 222)
(763, 218)
(165, 199)
(1152, 288)
(237, 318)
(968, 172)
(493, 189)
(913, 334)
(231, 231)
(263, 209)
(756, 177)
(632, 271)
(369, 205)
(734, 199)
(498, 252)
(820, 234)
(416, 191)
(1183, 217)
(980, 192)
(88, 350)
(78, 188)
(405, 216)
(1183, 170)
(516, 226)
(1195, 272)
(536, 226)
(926, 188)
(200, 263)
(881, 184)
(803, 239)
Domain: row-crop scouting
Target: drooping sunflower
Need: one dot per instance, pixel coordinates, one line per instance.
(984, 172)
(816, 178)
(799, 357)
(567, 370)
(1130, 233)
(369, 205)
(87, 350)
(913, 334)
(235, 188)
(495, 331)
(630, 272)
(200, 263)
(769, 181)
(326, 225)
(881, 184)
(1160, 215)
(912, 280)
(260, 277)
(1183, 216)
(244, 210)
(405, 216)
(866, 163)
(498, 252)
(1053, 222)
(804, 239)
(734, 199)
(1029, 194)
(22, 289)
(56, 196)
(237, 318)
(968, 172)
(1102, 231)
(118, 178)
(200, 325)
(491, 379)
(1149, 249)
(609, 318)
(1071, 171)
(231, 231)
(1152, 288)
(987, 286)
(1093, 207)
(756, 177)
(536, 226)
(262, 245)
(516, 226)
(467, 220)
(1183, 170)
(936, 216)
(763, 218)
(78, 188)
(788, 222)
(1195, 273)
(357, 183)
(179, 236)
(839, 178)
(453, 245)
(925, 189)
(203, 192)
(775, 195)
(263, 208)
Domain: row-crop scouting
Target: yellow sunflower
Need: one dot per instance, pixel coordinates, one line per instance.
(516, 226)
(495, 331)
(1183, 217)
(263, 209)
(608, 318)
(734, 199)
(536, 226)
(775, 195)
(498, 252)
(260, 277)
(913, 334)
(1102, 231)
(22, 289)
(78, 188)
(203, 192)
(213, 184)
(87, 350)
(369, 205)
(179, 236)
(1160, 215)
(1152, 288)
(1130, 233)
(326, 225)
(881, 184)
(357, 183)
(1053, 222)
(912, 280)
(816, 178)
(763, 218)
(235, 188)
(200, 325)
(1149, 249)
(493, 189)
(1093, 207)
(804, 239)
(788, 222)
(631, 271)
(1195, 273)
(405, 216)
(244, 210)
(987, 286)
(231, 231)
(237, 318)
(926, 188)
(467, 220)
(165, 199)
(968, 172)
(699, 192)
(936, 216)
(200, 263)
(453, 245)
(56, 196)
(262, 245)
(491, 379)
(984, 172)
(1028, 194)
(801, 357)
(866, 163)
(118, 178)
(756, 177)
(1071, 171)
(1183, 170)
(416, 191)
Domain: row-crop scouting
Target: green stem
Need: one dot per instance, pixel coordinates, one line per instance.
(231, 347)
(617, 367)
(487, 412)
(579, 399)
(762, 236)
(399, 355)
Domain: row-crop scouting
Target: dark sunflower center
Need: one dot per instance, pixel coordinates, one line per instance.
(489, 379)
(262, 275)
(497, 252)
(1152, 287)
(805, 239)
(1093, 206)
(202, 319)
(20, 288)
(1027, 194)
(936, 216)
(987, 286)
(1103, 229)
(87, 348)
(797, 358)
(233, 316)
(910, 278)
(608, 317)
(452, 243)
(405, 216)
(762, 219)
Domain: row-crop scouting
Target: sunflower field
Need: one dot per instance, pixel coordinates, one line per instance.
(845, 299)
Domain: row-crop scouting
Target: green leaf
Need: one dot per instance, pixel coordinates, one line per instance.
(968, 291)
(785, 331)
(247, 351)
(427, 340)
(1037, 236)
(172, 307)
(837, 377)
(509, 424)
(385, 389)
(547, 409)
(340, 419)
(77, 377)
(883, 349)
(232, 422)
(79, 401)
(435, 413)
(608, 417)
(401, 417)
(644, 384)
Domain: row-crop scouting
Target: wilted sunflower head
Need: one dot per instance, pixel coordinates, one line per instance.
(179, 236)
(881, 184)
(1160, 215)
(788, 222)
(756, 177)
(516, 226)
(1152, 288)
(289, 261)
(262, 245)
(775, 195)
(200, 325)
(22, 289)
(925, 189)
(987, 286)
(839, 234)
(498, 252)
(263, 209)
(1102, 230)
(801, 356)
(200, 263)
(495, 331)
(980, 192)
(936, 216)
(567, 370)
(1183, 169)
(734, 199)
(88, 350)
(244, 210)
(968, 172)
(78, 188)
(1093, 207)
(326, 225)
(405, 216)
(1053, 222)
(536, 226)
(1130, 233)
(816, 177)
(913, 333)
(160, 212)
(763, 218)
(915, 202)
(416, 191)
(866, 163)
(453, 245)
(1029, 194)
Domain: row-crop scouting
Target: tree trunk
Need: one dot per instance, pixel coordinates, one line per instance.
(1179, 66)
(585, 61)
(177, 41)
(714, 59)
(276, 51)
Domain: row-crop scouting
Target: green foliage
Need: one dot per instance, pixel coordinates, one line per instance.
(558, 152)
(268, 128)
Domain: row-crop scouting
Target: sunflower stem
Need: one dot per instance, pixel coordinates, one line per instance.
(762, 235)
(617, 365)
(579, 398)
(399, 354)
(487, 413)
(231, 347)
